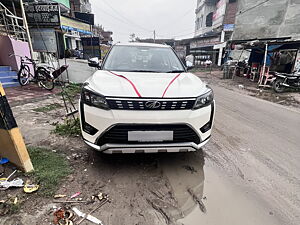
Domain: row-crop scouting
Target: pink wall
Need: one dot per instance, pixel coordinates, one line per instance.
(10, 46)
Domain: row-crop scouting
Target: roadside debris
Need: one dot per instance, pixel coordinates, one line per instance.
(60, 196)
(88, 217)
(5, 184)
(30, 188)
(69, 201)
(67, 215)
(104, 199)
(75, 195)
(3, 161)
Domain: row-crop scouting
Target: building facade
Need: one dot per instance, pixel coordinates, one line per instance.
(267, 19)
(83, 6)
(215, 22)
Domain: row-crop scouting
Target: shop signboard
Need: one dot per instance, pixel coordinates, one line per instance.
(229, 27)
(207, 42)
(86, 17)
(64, 2)
(70, 24)
(43, 15)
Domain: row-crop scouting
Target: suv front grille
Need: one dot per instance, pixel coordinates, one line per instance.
(119, 133)
(142, 104)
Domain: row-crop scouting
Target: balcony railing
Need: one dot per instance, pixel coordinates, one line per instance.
(11, 25)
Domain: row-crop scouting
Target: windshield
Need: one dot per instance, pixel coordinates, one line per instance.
(143, 59)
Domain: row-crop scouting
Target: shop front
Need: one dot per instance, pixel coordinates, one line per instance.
(266, 58)
(203, 50)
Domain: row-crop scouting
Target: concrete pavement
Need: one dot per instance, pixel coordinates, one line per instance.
(78, 70)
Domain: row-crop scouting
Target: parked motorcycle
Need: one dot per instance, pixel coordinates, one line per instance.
(284, 81)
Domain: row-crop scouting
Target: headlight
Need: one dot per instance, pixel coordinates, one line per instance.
(204, 100)
(93, 99)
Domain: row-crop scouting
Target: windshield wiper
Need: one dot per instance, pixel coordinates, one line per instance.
(176, 71)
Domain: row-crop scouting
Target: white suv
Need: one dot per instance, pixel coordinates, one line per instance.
(143, 100)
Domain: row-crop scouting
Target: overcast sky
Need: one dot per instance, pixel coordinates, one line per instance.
(170, 18)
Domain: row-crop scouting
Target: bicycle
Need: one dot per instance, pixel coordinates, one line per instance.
(41, 75)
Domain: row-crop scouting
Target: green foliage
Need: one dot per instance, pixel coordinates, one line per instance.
(70, 127)
(48, 108)
(72, 90)
(50, 169)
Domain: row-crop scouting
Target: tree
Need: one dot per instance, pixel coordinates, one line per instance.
(132, 37)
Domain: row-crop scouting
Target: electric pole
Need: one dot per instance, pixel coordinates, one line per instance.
(154, 36)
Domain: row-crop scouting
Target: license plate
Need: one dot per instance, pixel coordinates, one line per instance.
(150, 136)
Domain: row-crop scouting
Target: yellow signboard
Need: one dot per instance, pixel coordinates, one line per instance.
(71, 24)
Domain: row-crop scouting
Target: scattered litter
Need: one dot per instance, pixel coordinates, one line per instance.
(3, 161)
(30, 188)
(99, 196)
(60, 196)
(103, 201)
(75, 195)
(59, 215)
(5, 184)
(11, 175)
(69, 201)
(88, 217)
(2, 201)
(15, 200)
(241, 86)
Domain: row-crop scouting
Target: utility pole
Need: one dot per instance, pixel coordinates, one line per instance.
(154, 36)
(26, 28)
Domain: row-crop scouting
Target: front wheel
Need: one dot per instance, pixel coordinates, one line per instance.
(277, 86)
(24, 75)
(45, 79)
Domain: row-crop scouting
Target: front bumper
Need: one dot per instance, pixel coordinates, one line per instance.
(104, 120)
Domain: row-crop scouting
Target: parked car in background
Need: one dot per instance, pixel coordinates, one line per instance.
(143, 100)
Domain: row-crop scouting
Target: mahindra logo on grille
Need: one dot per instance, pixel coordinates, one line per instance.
(152, 104)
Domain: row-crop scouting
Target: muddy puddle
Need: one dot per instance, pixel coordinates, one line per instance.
(205, 196)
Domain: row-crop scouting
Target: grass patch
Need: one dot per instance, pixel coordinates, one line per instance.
(49, 170)
(72, 90)
(70, 127)
(48, 108)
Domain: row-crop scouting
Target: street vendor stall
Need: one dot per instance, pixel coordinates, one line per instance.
(267, 57)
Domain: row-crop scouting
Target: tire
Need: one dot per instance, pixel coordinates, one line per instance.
(45, 79)
(24, 75)
(277, 86)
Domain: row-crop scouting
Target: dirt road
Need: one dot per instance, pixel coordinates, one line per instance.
(257, 143)
(247, 174)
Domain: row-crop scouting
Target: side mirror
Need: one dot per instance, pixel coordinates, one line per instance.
(94, 62)
(189, 65)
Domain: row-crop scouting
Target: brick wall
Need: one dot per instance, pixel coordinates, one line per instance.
(230, 13)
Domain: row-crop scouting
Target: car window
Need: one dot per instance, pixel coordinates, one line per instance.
(139, 59)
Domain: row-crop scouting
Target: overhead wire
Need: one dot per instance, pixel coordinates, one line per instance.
(116, 18)
(179, 18)
(124, 18)
(253, 7)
